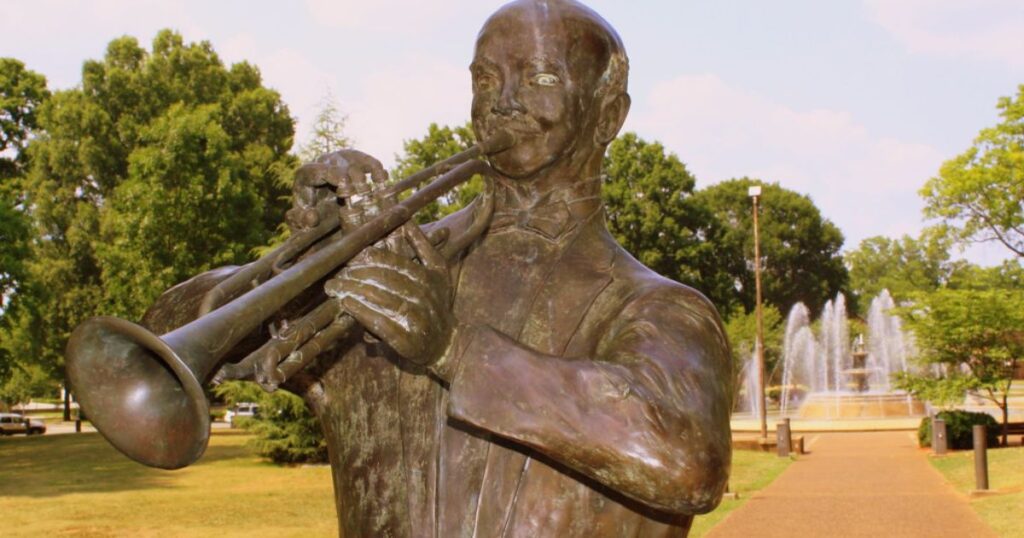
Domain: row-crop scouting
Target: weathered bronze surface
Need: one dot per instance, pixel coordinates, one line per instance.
(508, 371)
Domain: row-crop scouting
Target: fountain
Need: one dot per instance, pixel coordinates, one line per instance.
(751, 382)
(824, 379)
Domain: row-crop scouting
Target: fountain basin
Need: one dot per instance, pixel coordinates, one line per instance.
(850, 405)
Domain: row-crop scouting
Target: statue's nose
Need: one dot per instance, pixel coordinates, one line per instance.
(508, 102)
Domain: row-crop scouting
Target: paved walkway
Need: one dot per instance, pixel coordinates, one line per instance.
(856, 484)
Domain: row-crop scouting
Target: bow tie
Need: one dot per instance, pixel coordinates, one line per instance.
(550, 221)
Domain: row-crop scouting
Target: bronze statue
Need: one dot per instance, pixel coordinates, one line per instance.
(507, 371)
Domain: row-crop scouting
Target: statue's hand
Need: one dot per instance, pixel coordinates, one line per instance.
(404, 302)
(315, 184)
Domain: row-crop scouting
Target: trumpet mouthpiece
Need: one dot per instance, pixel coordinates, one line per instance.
(497, 142)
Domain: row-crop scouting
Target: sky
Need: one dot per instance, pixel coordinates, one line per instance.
(855, 103)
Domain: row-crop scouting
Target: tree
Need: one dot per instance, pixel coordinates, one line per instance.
(21, 93)
(800, 249)
(1008, 275)
(440, 142)
(977, 336)
(162, 164)
(903, 266)
(980, 193)
(286, 432)
(652, 212)
(327, 133)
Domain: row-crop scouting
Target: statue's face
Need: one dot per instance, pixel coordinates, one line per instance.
(524, 81)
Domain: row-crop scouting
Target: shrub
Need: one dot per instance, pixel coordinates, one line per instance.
(959, 429)
(286, 431)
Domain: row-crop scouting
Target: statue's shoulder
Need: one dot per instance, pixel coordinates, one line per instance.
(639, 286)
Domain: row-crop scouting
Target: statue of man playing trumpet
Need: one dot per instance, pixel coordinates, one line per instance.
(537, 380)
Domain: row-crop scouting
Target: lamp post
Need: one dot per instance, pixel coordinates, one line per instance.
(755, 194)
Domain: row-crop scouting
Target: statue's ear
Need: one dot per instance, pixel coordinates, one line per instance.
(613, 115)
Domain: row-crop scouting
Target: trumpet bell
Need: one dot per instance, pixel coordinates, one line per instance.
(142, 396)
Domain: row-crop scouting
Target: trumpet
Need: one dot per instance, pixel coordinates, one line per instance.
(144, 393)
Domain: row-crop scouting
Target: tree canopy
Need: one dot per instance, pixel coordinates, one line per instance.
(800, 249)
(162, 164)
(902, 266)
(980, 193)
(22, 91)
(327, 133)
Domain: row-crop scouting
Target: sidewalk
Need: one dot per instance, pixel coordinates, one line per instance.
(856, 484)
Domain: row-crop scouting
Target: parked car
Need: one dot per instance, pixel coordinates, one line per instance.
(11, 424)
(241, 410)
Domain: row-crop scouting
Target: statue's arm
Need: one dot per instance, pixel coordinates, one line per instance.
(648, 416)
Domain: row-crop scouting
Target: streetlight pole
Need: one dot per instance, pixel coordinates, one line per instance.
(755, 194)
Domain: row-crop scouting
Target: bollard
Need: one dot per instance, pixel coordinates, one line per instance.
(980, 458)
(783, 438)
(938, 436)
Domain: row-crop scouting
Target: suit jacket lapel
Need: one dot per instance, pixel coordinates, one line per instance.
(583, 271)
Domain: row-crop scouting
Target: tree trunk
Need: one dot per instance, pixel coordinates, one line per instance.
(1006, 417)
(67, 399)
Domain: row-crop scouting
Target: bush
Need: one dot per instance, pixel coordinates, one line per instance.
(286, 431)
(959, 429)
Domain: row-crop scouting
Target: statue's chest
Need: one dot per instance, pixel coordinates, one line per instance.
(501, 278)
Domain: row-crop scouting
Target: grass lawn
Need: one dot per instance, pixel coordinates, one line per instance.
(1003, 511)
(77, 485)
(751, 471)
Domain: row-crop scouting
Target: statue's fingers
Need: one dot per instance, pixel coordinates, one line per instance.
(385, 299)
(378, 323)
(401, 281)
(425, 251)
(385, 261)
(356, 174)
(376, 169)
(404, 289)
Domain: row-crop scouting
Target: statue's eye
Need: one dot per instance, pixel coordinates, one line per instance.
(485, 81)
(546, 79)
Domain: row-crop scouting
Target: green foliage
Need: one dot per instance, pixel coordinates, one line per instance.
(438, 144)
(328, 131)
(24, 383)
(286, 431)
(959, 429)
(652, 213)
(902, 266)
(185, 178)
(975, 334)
(980, 329)
(21, 93)
(14, 247)
(979, 193)
(1008, 275)
(741, 329)
(946, 390)
(799, 248)
(160, 165)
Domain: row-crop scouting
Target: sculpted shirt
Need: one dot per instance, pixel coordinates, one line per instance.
(589, 397)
